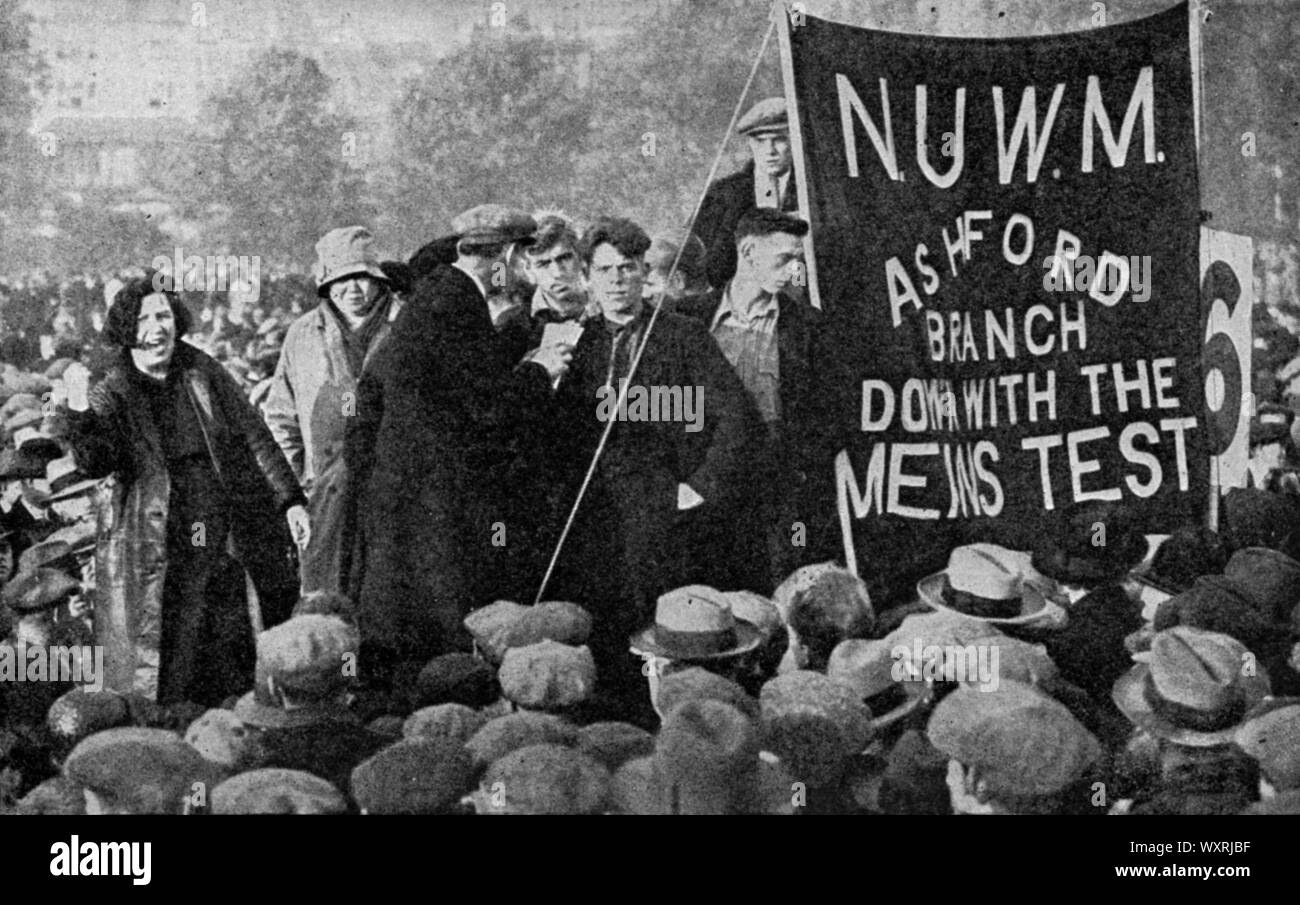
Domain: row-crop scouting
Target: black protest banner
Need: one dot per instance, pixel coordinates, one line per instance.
(1006, 247)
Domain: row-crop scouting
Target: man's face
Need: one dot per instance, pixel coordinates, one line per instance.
(772, 260)
(615, 281)
(557, 272)
(771, 152)
(656, 282)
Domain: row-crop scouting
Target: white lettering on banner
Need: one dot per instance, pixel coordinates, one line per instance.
(854, 116)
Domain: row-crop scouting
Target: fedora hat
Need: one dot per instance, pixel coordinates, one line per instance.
(1090, 543)
(66, 480)
(695, 624)
(867, 667)
(1190, 688)
(992, 584)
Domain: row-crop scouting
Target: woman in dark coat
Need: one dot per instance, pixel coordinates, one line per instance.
(199, 494)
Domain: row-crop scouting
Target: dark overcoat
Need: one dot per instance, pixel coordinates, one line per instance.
(440, 416)
(624, 551)
(118, 439)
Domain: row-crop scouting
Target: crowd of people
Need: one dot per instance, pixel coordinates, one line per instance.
(410, 538)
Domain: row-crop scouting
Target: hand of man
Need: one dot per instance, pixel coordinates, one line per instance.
(299, 526)
(555, 358)
(687, 498)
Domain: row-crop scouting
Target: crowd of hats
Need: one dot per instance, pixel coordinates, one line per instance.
(509, 728)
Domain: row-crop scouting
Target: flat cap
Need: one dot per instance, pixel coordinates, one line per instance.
(614, 744)
(79, 713)
(556, 620)
(451, 721)
(415, 776)
(148, 771)
(306, 655)
(42, 589)
(226, 740)
(814, 724)
(547, 675)
(518, 730)
(545, 779)
(698, 684)
(277, 791)
(1023, 742)
(488, 626)
(768, 115)
(490, 223)
(456, 678)
(709, 750)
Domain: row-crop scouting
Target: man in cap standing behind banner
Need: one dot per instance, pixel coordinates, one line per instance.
(767, 181)
(313, 392)
(439, 416)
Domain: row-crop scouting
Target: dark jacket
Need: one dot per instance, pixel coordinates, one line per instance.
(801, 449)
(724, 203)
(329, 749)
(622, 553)
(118, 437)
(441, 413)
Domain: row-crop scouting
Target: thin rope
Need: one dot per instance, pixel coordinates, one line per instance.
(627, 382)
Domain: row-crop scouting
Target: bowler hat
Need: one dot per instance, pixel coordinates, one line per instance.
(768, 115)
(1022, 741)
(1090, 543)
(695, 624)
(346, 252)
(273, 790)
(1194, 687)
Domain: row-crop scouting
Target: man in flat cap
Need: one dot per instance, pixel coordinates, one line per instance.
(308, 407)
(767, 181)
(440, 416)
